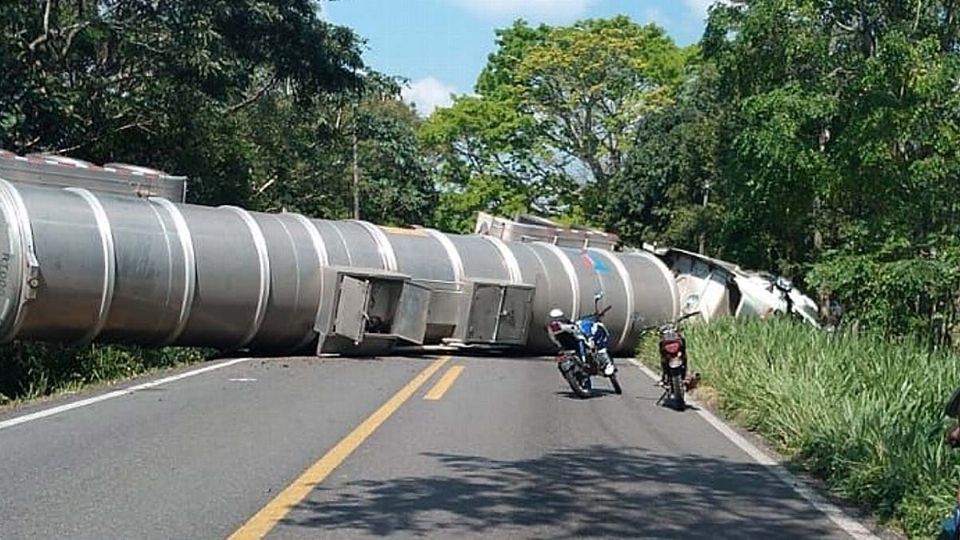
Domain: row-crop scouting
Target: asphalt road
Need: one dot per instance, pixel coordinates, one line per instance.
(503, 452)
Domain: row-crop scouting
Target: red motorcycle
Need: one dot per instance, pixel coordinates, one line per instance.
(674, 364)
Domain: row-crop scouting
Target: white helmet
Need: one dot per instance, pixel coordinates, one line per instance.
(556, 313)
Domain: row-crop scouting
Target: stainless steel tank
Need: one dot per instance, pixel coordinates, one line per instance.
(77, 266)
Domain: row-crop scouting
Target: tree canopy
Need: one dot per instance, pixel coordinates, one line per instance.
(556, 111)
(823, 135)
(257, 101)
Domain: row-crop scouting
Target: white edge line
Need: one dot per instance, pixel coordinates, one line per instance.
(849, 525)
(116, 393)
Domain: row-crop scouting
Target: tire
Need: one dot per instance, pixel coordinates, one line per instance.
(676, 388)
(578, 389)
(616, 384)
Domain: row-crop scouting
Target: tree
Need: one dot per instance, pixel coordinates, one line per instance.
(251, 99)
(302, 155)
(395, 186)
(556, 111)
(160, 83)
(663, 192)
(482, 160)
(843, 120)
(827, 132)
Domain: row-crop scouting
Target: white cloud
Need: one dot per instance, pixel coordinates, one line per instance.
(699, 7)
(655, 15)
(553, 11)
(428, 94)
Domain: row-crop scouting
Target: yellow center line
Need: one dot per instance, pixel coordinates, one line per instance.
(444, 383)
(267, 518)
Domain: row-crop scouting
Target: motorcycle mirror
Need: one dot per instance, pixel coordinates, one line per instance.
(599, 296)
(952, 407)
(784, 284)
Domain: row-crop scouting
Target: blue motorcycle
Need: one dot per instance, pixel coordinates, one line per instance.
(583, 349)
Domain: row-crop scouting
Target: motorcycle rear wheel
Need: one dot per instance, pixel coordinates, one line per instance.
(676, 388)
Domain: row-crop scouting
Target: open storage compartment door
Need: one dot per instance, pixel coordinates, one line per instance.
(410, 319)
(367, 311)
(495, 313)
(481, 324)
(351, 319)
(515, 312)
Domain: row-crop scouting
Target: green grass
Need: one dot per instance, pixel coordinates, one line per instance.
(863, 414)
(33, 370)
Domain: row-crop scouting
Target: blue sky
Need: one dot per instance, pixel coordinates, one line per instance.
(441, 45)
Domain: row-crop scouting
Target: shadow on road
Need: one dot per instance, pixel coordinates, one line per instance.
(594, 393)
(597, 491)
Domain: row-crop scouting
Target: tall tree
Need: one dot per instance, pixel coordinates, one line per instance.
(302, 155)
(663, 192)
(556, 111)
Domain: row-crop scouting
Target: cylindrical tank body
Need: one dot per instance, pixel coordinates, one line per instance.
(637, 286)
(77, 266)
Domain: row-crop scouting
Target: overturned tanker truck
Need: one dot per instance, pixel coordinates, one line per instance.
(112, 254)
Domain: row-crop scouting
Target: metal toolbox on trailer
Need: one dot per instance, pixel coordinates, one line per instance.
(369, 311)
(495, 313)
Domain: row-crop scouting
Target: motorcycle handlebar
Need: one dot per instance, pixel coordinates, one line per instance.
(675, 323)
(599, 313)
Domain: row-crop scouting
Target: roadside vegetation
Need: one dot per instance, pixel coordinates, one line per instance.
(32, 370)
(861, 413)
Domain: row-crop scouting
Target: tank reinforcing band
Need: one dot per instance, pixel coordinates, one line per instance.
(109, 262)
(384, 247)
(627, 287)
(453, 254)
(320, 248)
(189, 267)
(571, 276)
(260, 243)
(667, 275)
(509, 258)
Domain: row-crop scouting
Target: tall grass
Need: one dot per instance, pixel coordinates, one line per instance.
(863, 414)
(30, 370)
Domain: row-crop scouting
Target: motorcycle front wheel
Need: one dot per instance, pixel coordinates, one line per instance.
(676, 388)
(572, 377)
